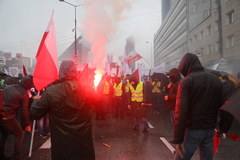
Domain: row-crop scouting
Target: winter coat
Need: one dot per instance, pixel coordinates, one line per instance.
(15, 98)
(198, 99)
(172, 90)
(69, 111)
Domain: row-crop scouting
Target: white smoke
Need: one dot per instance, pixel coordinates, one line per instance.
(100, 25)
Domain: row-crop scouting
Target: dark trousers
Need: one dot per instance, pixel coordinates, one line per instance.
(119, 107)
(13, 127)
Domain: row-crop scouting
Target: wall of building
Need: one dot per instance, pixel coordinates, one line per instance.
(193, 26)
(170, 40)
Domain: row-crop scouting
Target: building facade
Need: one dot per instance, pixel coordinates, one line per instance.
(208, 28)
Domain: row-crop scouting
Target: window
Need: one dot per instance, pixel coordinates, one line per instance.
(230, 17)
(201, 35)
(202, 51)
(230, 41)
(208, 30)
(195, 39)
(190, 42)
(209, 49)
(216, 26)
(216, 46)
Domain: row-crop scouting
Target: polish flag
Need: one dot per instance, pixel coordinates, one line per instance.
(24, 70)
(132, 57)
(46, 69)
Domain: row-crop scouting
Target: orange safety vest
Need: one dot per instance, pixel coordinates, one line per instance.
(106, 88)
(137, 94)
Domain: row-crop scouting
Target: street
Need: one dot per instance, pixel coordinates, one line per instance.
(115, 140)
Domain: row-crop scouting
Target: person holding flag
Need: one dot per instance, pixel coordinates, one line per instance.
(69, 111)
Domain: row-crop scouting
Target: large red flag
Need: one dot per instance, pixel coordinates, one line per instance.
(46, 69)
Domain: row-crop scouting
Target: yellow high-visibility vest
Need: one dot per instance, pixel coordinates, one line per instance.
(127, 87)
(118, 89)
(106, 88)
(156, 87)
(137, 94)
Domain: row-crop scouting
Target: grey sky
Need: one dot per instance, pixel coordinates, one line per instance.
(23, 22)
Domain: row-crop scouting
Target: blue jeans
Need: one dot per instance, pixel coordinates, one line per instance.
(198, 138)
(43, 125)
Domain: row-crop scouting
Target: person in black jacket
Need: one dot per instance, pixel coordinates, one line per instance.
(68, 105)
(170, 98)
(199, 97)
(15, 98)
(171, 89)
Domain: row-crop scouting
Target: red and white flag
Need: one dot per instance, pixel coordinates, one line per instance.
(136, 74)
(132, 57)
(46, 69)
(24, 70)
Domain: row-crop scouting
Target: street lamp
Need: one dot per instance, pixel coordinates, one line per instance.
(75, 36)
(151, 51)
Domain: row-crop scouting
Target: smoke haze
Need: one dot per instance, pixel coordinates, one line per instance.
(100, 25)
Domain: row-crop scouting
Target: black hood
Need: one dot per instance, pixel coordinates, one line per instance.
(174, 74)
(189, 63)
(26, 82)
(67, 69)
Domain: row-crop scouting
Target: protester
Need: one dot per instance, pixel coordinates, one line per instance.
(198, 100)
(238, 75)
(15, 98)
(118, 100)
(69, 109)
(136, 104)
(126, 93)
(171, 90)
(157, 94)
(226, 118)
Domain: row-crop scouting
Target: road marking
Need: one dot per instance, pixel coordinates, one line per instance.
(46, 145)
(149, 124)
(169, 146)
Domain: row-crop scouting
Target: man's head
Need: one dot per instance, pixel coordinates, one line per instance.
(189, 63)
(174, 75)
(238, 75)
(67, 69)
(26, 82)
(133, 80)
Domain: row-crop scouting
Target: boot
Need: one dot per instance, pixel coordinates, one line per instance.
(145, 130)
(136, 128)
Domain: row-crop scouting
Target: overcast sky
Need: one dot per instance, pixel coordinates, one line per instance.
(23, 22)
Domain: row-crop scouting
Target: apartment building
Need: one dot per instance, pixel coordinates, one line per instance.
(211, 30)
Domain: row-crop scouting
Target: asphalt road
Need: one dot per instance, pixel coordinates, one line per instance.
(115, 140)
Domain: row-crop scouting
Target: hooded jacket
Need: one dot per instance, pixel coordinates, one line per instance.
(172, 91)
(198, 98)
(70, 116)
(15, 96)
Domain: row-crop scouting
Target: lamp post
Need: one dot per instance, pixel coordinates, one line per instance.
(151, 52)
(75, 36)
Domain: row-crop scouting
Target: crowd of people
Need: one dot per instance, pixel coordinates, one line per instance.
(191, 93)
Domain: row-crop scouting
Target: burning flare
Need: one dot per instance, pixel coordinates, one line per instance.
(97, 77)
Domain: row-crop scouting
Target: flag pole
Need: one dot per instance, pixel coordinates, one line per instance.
(32, 137)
